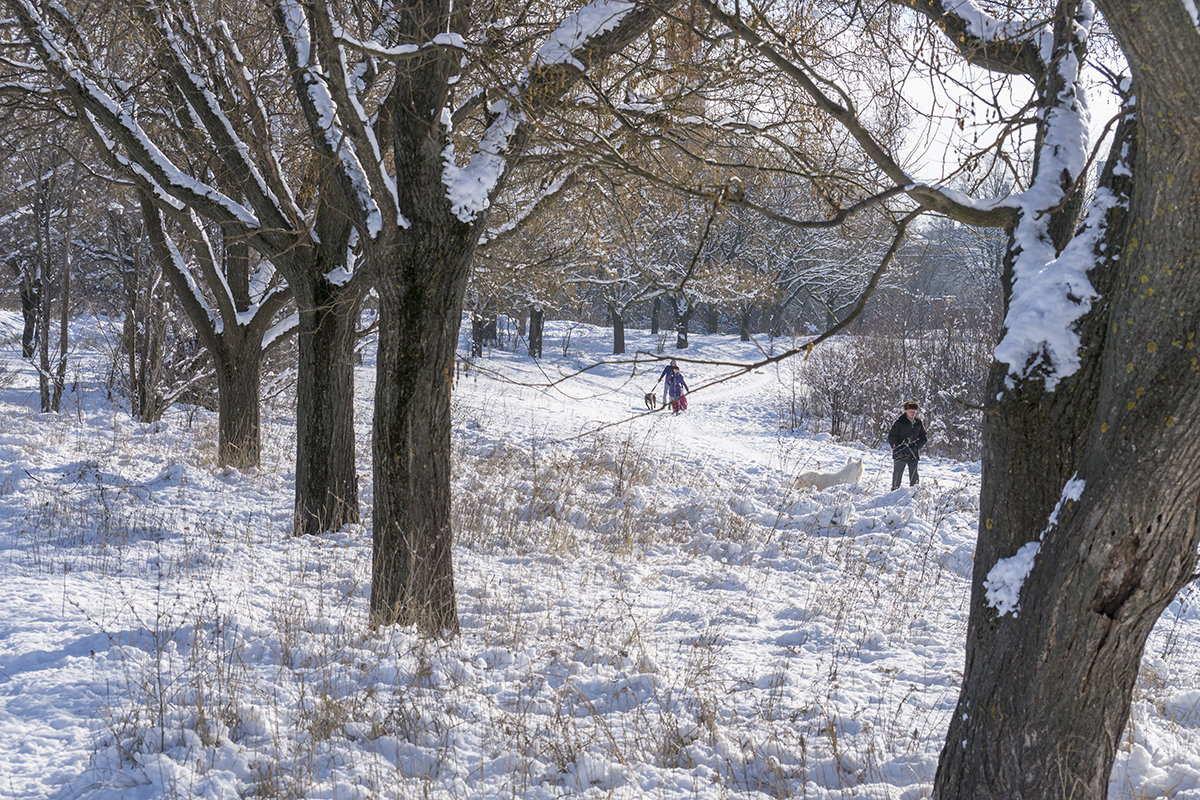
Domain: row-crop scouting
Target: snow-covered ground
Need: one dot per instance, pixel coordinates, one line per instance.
(649, 607)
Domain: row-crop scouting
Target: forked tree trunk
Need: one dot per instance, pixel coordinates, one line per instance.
(420, 271)
(1046, 691)
(326, 472)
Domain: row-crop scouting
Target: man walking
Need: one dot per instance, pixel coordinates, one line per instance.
(907, 437)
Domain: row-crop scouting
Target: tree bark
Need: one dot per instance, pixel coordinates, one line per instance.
(1046, 692)
(537, 330)
(31, 300)
(412, 581)
(44, 278)
(476, 336)
(326, 473)
(44, 353)
(412, 571)
(655, 310)
(64, 296)
(618, 325)
(238, 375)
(64, 330)
(683, 317)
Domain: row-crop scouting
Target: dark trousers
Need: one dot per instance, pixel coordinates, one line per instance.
(898, 473)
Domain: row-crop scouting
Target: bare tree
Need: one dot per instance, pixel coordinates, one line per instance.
(209, 132)
(41, 228)
(420, 258)
(388, 98)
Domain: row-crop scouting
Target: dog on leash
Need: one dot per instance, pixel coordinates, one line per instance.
(851, 473)
(651, 400)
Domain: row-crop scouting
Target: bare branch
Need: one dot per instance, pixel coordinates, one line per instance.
(930, 198)
(229, 147)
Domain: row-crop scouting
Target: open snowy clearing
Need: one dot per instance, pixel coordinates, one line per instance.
(649, 608)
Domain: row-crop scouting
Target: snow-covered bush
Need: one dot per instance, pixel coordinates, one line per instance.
(859, 383)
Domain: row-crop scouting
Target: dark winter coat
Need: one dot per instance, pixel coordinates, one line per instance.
(907, 439)
(676, 385)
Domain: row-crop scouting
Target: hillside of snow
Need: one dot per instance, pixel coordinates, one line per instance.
(650, 608)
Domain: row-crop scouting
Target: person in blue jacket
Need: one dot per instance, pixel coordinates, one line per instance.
(675, 388)
(907, 437)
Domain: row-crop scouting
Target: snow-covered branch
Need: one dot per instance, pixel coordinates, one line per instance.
(597, 31)
(327, 35)
(471, 187)
(985, 41)
(213, 120)
(116, 127)
(321, 111)
(1051, 290)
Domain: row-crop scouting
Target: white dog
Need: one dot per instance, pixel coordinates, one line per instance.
(851, 473)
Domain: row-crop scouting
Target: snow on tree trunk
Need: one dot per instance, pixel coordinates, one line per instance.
(683, 317)
(1071, 577)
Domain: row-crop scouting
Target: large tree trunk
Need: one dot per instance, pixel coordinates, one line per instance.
(1046, 690)
(326, 473)
(238, 375)
(412, 580)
